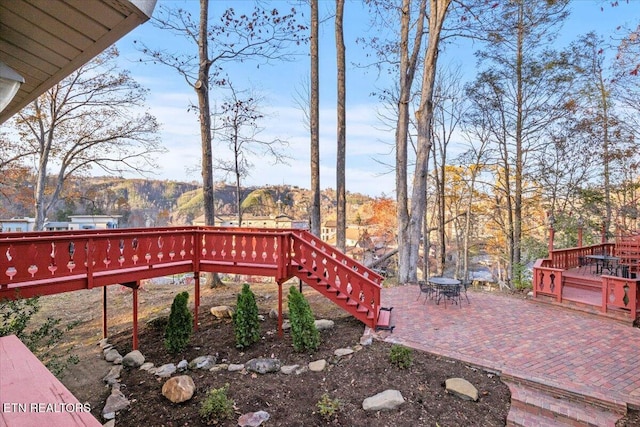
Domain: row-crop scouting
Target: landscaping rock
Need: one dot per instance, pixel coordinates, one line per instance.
(261, 317)
(179, 389)
(289, 369)
(106, 348)
(318, 365)
(110, 423)
(113, 375)
(341, 352)
(146, 366)
(117, 360)
(103, 342)
(273, 314)
(111, 355)
(384, 401)
(222, 312)
(286, 325)
(263, 365)
(182, 365)
(253, 419)
(233, 367)
(115, 402)
(133, 359)
(366, 340)
(165, 370)
(324, 324)
(203, 362)
(461, 388)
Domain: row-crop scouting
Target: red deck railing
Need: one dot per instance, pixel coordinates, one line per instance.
(43, 263)
(622, 293)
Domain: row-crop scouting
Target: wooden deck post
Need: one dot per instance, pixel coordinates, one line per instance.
(134, 287)
(104, 312)
(280, 331)
(196, 284)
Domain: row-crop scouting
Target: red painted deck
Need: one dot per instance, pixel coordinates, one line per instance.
(566, 278)
(31, 396)
(45, 263)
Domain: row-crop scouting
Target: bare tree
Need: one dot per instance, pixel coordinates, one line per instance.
(261, 36)
(314, 121)
(239, 128)
(341, 214)
(90, 120)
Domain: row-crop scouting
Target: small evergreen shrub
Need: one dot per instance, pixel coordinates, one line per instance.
(180, 325)
(304, 333)
(217, 406)
(328, 407)
(246, 325)
(401, 356)
(16, 319)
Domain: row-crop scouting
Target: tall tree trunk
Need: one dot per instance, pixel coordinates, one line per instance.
(341, 223)
(202, 90)
(41, 178)
(314, 122)
(516, 268)
(408, 65)
(424, 118)
(606, 157)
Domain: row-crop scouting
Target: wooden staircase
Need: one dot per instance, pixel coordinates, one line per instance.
(349, 284)
(534, 404)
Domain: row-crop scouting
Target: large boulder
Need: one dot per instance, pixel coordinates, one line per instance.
(179, 389)
(133, 359)
(221, 311)
(115, 402)
(253, 419)
(384, 401)
(203, 362)
(263, 365)
(317, 365)
(461, 388)
(165, 370)
(324, 324)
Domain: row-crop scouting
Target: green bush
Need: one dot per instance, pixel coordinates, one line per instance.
(401, 356)
(303, 329)
(180, 325)
(522, 279)
(217, 406)
(246, 325)
(15, 319)
(328, 407)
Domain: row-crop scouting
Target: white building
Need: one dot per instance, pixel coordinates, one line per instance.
(17, 224)
(93, 222)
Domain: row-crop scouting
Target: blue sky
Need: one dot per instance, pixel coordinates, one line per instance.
(368, 143)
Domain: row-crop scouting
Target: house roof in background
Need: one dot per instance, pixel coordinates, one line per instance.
(45, 41)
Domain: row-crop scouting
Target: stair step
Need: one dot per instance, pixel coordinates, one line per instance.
(534, 405)
(384, 318)
(342, 296)
(352, 303)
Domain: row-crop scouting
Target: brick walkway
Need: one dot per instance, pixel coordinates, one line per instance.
(570, 350)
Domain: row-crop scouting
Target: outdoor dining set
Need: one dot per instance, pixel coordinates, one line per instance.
(443, 289)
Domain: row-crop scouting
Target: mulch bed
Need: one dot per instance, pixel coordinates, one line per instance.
(291, 400)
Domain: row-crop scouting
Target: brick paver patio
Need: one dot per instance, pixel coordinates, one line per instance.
(574, 351)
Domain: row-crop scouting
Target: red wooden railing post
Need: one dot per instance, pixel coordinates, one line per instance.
(104, 312)
(134, 287)
(196, 285)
